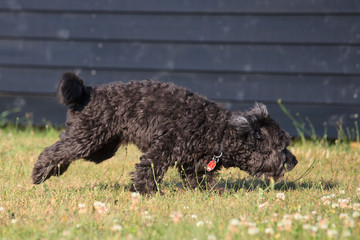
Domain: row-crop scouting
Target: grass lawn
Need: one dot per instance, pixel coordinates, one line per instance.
(320, 198)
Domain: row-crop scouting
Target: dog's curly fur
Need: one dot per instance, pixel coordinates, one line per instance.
(169, 124)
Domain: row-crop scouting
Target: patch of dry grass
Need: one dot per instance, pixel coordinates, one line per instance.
(92, 202)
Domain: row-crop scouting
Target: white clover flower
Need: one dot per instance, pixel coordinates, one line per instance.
(251, 225)
(263, 205)
(298, 216)
(135, 194)
(98, 204)
(253, 231)
(200, 223)
(323, 224)
(82, 208)
(116, 228)
(342, 192)
(208, 222)
(234, 222)
(334, 205)
(81, 205)
(287, 223)
(135, 197)
(280, 226)
(280, 196)
(194, 216)
(314, 229)
(343, 216)
(286, 216)
(100, 207)
(356, 214)
(356, 206)
(349, 222)
(2, 209)
(332, 233)
(269, 231)
(306, 226)
(323, 198)
(176, 216)
(344, 201)
(145, 214)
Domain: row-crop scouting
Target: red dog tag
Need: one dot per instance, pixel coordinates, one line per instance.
(211, 165)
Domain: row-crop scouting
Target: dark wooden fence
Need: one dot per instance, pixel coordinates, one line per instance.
(236, 52)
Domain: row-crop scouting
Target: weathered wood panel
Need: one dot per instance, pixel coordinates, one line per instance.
(235, 52)
(175, 6)
(40, 109)
(323, 29)
(167, 56)
(311, 89)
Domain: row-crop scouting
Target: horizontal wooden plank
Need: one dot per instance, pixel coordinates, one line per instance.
(36, 110)
(324, 119)
(202, 6)
(183, 57)
(258, 29)
(46, 109)
(320, 89)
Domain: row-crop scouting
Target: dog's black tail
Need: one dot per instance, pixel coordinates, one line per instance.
(71, 90)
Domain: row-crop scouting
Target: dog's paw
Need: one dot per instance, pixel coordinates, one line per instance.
(43, 172)
(40, 173)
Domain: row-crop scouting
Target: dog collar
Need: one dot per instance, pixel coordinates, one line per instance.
(212, 164)
(216, 158)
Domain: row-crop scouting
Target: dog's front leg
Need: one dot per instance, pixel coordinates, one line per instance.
(54, 160)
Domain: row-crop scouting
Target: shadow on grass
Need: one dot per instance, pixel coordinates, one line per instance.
(230, 185)
(253, 184)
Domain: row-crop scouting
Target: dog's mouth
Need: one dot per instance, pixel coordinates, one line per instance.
(277, 176)
(289, 165)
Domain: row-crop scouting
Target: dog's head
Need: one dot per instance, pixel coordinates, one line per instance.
(265, 142)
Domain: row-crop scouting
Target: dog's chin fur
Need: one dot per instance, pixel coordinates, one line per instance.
(171, 126)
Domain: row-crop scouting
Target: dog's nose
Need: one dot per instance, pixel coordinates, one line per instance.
(295, 161)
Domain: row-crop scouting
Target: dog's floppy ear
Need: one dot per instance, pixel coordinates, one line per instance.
(257, 112)
(246, 121)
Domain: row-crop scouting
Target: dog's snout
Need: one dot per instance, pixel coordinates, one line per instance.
(290, 161)
(293, 159)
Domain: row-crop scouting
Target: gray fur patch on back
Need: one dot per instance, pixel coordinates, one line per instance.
(245, 120)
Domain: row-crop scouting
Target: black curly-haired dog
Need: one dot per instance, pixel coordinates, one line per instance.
(169, 124)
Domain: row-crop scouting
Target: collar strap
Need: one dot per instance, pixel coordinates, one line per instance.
(217, 158)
